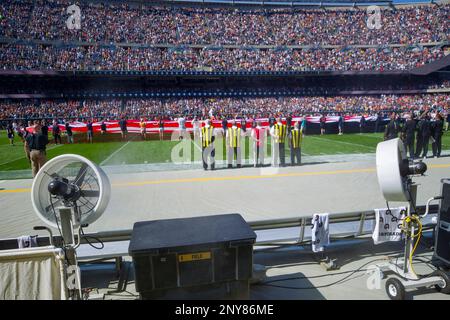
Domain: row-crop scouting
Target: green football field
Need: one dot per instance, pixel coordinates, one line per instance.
(111, 150)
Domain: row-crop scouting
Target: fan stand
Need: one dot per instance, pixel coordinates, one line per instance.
(67, 228)
(405, 277)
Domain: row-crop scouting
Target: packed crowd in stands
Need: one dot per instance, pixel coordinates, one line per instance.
(106, 25)
(170, 109)
(131, 23)
(26, 57)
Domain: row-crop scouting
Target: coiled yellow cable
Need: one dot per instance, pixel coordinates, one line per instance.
(405, 227)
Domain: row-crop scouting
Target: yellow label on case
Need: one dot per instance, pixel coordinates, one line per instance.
(194, 256)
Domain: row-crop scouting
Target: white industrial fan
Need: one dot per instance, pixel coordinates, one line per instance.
(395, 173)
(68, 193)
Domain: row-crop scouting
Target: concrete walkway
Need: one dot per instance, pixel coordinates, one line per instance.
(256, 193)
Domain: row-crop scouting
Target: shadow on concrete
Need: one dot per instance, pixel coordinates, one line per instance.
(296, 286)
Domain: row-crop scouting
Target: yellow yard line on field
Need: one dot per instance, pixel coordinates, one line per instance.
(236, 178)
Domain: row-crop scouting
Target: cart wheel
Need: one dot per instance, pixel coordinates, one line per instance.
(446, 278)
(395, 289)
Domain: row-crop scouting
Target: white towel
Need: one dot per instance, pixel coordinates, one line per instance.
(388, 224)
(26, 242)
(320, 234)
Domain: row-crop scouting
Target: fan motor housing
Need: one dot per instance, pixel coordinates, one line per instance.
(62, 188)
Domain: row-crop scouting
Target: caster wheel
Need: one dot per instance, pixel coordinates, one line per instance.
(395, 289)
(446, 277)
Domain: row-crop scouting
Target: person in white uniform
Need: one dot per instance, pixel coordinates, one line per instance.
(196, 129)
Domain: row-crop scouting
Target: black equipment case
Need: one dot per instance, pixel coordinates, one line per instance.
(208, 257)
(442, 246)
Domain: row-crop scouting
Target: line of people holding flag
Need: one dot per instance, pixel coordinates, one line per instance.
(280, 134)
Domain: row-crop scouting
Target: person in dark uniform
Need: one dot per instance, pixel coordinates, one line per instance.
(362, 124)
(399, 121)
(56, 132)
(271, 121)
(10, 134)
(438, 130)
(69, 132)
(224, 132)
(419, 140)
(391, 131)
(377, 121)
(161, 128)
(224, 126)
(341, 124)
(103, 127)
(90, 131)
(408, 134)
(37, 143)
(322, 122)
(123, 127)
(244, 125)
(289, 123)
(426, 134)
(44, 128)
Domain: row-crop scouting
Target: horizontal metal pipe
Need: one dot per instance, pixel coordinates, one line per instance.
(125, 234)
(118, 235)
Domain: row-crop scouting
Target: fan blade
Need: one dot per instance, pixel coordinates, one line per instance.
(81, 174)
(54, 205)
(53, 175)
(90, 193)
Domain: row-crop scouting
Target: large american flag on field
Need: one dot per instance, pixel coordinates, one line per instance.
(169, 126)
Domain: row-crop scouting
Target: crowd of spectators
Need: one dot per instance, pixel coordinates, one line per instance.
(105, 26)
(33, 57)
(133, 23)
(170, 109)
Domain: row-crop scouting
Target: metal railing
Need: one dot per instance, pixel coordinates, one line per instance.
(301, 222)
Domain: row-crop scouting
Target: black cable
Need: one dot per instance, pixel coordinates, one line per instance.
(352, 272)
(117, 294)
(102, 245)
(56, 220)
(313, 277)
(268, 283)
(412, 202)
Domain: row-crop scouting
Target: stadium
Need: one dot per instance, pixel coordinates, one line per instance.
(173, 121)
